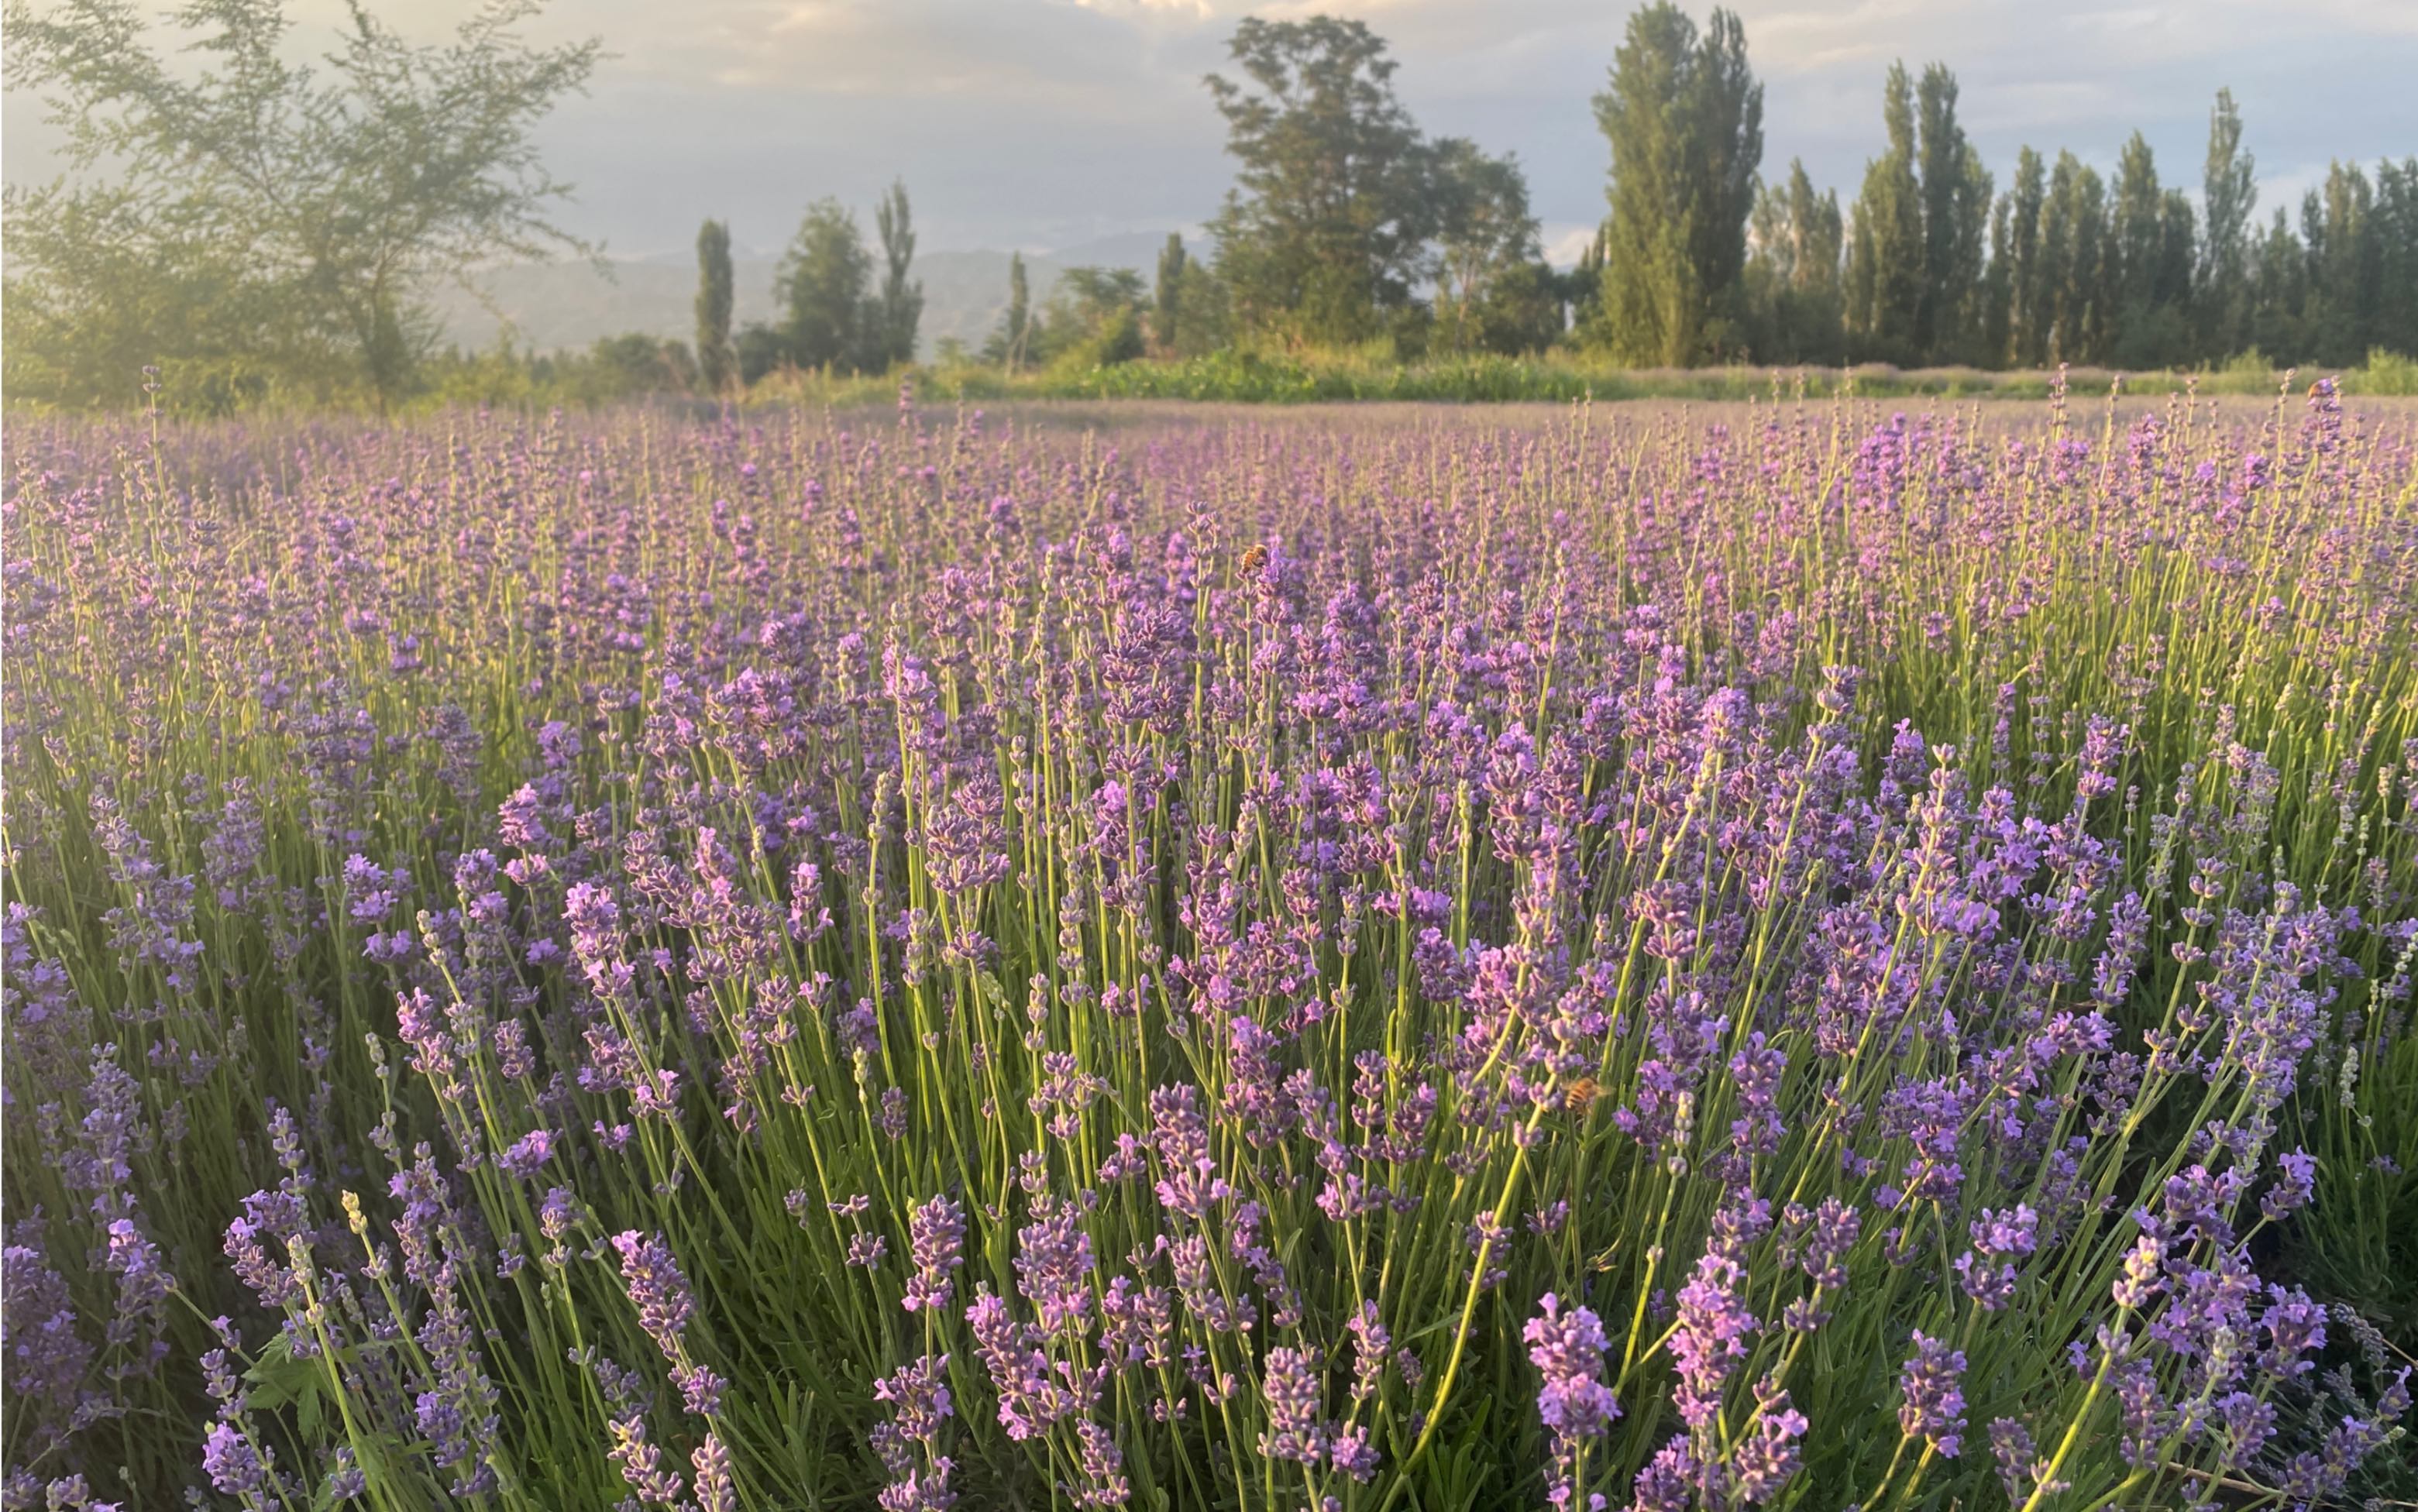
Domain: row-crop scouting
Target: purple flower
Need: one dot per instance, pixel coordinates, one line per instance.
(1767, 1457)
(1291, 1387)
(657, 1289)
(935, 1236)
(1568, 1350)
(1054, 1269)
(2296, 1181)
(527, 1155)
(1933, 1398)
(1711, 1334)
(233, 1465)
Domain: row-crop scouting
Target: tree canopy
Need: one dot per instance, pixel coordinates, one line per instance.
(291, 218)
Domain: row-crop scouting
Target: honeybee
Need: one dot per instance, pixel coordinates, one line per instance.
(1253, 559)
(1578, 1095)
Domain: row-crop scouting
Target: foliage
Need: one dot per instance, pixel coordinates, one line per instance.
(717, 362)
(1327, 229)
(1684, 119)
(820, 287)
(901, 307)
(1167, 302)
(1795, 300)
(1486, 235)
(291, 216)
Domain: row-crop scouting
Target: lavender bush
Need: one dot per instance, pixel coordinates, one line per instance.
(1830, 958)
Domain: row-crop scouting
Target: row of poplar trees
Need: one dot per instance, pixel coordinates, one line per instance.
(1346, 224)
(1700, 261)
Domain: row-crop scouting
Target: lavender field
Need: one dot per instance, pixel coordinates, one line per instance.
(1767, 956)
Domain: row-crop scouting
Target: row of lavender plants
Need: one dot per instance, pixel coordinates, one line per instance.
(1804, 958)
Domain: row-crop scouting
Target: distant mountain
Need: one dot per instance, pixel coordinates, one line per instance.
(555, 305)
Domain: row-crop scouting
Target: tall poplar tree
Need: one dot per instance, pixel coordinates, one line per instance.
(717, 362)
(1885, 249)
(1684, 119)
(2229, 195)
(1170, 291)
(1955, 218)
(892, 329)
(2027, 290)
(2073, 229)
(1793, 274)
(1014, 340)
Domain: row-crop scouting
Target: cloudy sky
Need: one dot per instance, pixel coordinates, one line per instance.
(1041, 124)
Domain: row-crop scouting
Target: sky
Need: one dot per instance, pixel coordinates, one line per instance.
(1043, 124)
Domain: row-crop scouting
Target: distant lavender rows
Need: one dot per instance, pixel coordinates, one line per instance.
(908, 961)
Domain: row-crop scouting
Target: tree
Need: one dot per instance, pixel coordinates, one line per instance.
(1009, 345)
(761, 349)
(2394, 222)
(326, 199)
(1093, 319)
(1793, 271)
(821, 286)
(2279, 288)
(2229, 195)
(2345, 264)
(1583, 288)
(1999, 287)
(1885, 281)
(1955, 196)
(2134, 236)
(2028, 316)
(1326, 229)
(1521, 308)
(717, 362)
(1168, 295)
(2073, 228)
(1684, 119)
(1485, 231)
(893, 327)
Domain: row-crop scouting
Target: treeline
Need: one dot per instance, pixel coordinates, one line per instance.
(1347, 226)
(263, 237)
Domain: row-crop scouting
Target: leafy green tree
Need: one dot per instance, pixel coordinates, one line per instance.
(2346, 265)
(761, 349)
(1955, 191)
(1167, 296)
(1921, 223)
(1010, 346)
(1485, 231)
(2028, 316)
(1583, 286)
(1325, 230)
(891, 328)
(2073, 224)
(820, 286)
(717, 362)
(1885, 287)
(2229, 195)
(2136, 240)
(2395, 325)
(1094, 318)
(2278, 287)
(1684, 119)
(1999, 287)
(1793, 273)
(321, 202)
(1522, 309)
